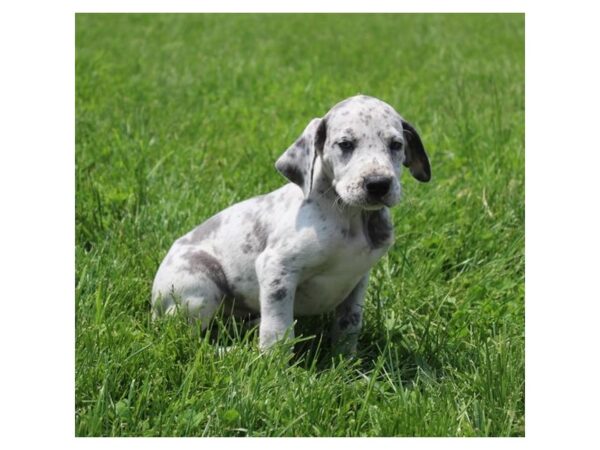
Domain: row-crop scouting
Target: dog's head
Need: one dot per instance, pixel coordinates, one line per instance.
(362, 143)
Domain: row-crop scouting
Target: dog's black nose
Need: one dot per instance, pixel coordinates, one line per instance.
(378, 186)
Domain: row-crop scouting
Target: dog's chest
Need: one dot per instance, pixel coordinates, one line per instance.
(325, 286)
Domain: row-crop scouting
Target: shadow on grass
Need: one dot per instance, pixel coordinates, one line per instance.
(312, 348)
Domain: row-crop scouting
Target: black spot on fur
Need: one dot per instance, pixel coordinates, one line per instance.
(200, 261)
(247, 246)
(206, 229)
(377, 228)
(276, 282)
(294, 174)
(256, 240)
(260, 234)
(278, 295)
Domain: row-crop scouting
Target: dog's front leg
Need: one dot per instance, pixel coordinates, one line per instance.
(277, 292)
(348, 320)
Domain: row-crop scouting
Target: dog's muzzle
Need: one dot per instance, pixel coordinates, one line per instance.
(377, 186)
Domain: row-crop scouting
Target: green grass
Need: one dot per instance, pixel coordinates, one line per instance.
(179, 116)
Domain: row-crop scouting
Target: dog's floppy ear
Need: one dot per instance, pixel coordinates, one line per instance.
(416, 159)
(297, 162)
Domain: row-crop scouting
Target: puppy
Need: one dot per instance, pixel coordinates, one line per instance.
(307, 247)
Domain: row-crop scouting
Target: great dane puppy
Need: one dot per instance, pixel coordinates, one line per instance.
(307, 247)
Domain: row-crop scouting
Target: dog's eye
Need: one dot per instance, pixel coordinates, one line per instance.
(395, 145)
(346, 145)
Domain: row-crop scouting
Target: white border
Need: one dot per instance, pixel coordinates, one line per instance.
(37, 234)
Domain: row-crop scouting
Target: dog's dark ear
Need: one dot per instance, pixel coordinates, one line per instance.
(416, 159)
(297, 162)
(321, 135)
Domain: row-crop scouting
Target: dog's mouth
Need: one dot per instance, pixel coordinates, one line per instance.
(360, 194)
(378, 203)
(365, 202)
(368, 193)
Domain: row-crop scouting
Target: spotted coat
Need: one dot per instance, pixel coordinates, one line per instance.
(307, 247)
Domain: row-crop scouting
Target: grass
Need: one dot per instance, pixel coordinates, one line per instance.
(179, 116)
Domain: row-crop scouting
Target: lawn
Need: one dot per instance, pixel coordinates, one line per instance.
(179, 116)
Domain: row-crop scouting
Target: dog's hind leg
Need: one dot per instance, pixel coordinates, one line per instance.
(198, 302)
